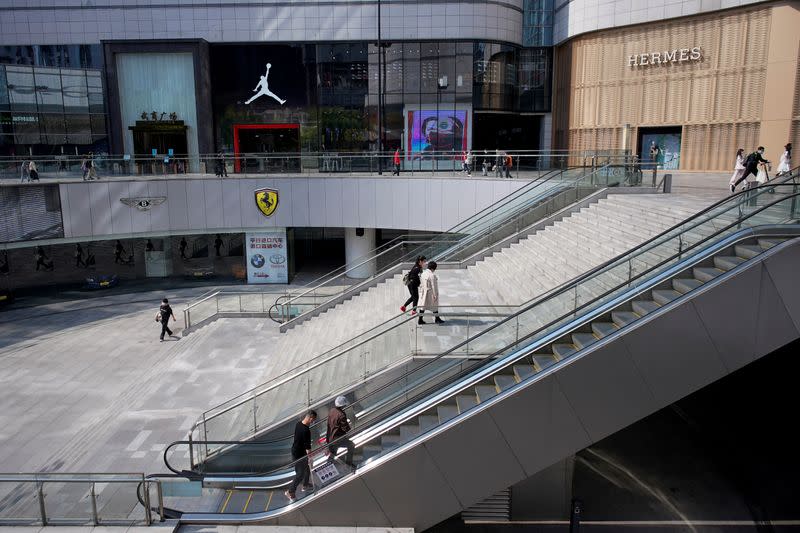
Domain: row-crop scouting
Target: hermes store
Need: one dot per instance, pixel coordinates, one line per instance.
(700, 87)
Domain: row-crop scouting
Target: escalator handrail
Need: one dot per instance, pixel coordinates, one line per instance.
(414, 406)
(452, 231)
(764, 189)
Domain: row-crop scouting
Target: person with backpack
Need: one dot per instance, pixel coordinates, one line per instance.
(301, 449)
(338, 427)
(751, 166)
(412, 281)
(163, 314)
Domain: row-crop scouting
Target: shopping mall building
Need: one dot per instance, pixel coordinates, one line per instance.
(700, 78)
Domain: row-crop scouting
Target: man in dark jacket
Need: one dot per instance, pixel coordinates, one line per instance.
(164, 312)
(338, 427)
(751, 166)
(301, 447)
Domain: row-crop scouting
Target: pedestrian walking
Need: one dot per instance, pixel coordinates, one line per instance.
(91, 172)
(84, 168)
(430, 293)
(785, 164)
(148, 247)
(486, 166)
(751, 166)
(468, 163)
(217, 244)
(118, 251)
(508, 162)
(738, 167)
(33, 171)
(42, 260)
(79, 256)
(498, 164)
(338, 427)
(163, 314)
(301, 450)
(412, 281)
(182, 247)
(221, 170)
(396, 171)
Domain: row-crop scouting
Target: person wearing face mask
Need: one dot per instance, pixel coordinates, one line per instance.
(751, 166)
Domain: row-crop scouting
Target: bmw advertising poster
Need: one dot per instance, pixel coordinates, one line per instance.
(267, 256)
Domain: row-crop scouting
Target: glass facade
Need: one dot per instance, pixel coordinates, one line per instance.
(430, 92)
(75, 56)
(51, 110)
(537, 23)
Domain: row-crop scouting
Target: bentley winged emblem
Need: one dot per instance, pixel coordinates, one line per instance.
(143, 203)
(266, 200)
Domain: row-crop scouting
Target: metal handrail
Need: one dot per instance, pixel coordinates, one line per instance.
(40, 479)
(415, 406)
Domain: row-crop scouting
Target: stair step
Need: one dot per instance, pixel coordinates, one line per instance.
(748, 251)
(603, 329)
(484, 392)
(408, 432)
(505, 381)
(623, 318)
(582, 340)
(427, 422)
(769, 243)
(563, 350)
(466, 402)
(523, 372)
(706, 274)
(642, 307)
(543, 361)
(684, 285)
(665, 296)
(727, 262)
(446, 412)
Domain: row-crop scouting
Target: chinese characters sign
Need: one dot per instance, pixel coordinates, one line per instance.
(267, 256)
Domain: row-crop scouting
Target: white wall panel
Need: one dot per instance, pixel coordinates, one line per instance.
(430, 204)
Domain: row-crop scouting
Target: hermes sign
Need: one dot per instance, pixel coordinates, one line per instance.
(679, 55)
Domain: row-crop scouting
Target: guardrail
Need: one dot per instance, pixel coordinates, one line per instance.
(79, 502)
(244, 165)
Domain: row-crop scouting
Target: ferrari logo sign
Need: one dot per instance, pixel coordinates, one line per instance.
(266, 201)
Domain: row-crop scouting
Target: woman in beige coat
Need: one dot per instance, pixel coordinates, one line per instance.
(429, 299)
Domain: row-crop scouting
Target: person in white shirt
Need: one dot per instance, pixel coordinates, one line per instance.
(738, 167)
(785, 165)
(429, 285)
(468, 162)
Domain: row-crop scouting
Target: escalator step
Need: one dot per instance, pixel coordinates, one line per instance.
(748, 251)
(582, 340)
(446, 412)
(563, 350)
(603, 329)
(523, 372)
(466, 402)
(370, 450)
(684, 285)
(484, 392)
(623, 318)
(642, 307)
(504, 381)
(665, 296)
(258, 502)
(427, 422)
(727, 262)
(543, 361)
(706, 274)
(390, 442)
(238, 500)
(409, 432)
(769, 243)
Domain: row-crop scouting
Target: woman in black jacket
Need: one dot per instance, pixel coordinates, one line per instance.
(413, 285)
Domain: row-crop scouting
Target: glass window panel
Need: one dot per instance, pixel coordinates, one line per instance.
(98, 123)
(53, 128)
(394, 68)
(4, 104)
(429, 67)
(26, 128)
(447, 66)
(411, 65)
(95, 88)
(76, 98)
(17, 55)
(21, 88)
(78, 129)
(48, 90)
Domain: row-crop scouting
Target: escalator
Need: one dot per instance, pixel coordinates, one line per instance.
(576, 365)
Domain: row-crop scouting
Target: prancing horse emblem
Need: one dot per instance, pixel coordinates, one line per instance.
(266, 200)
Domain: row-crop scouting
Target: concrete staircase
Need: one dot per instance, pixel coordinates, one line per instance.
(511, 276)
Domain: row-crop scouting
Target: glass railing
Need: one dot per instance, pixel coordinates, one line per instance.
(520, 209)
(520, 335)
(391, 348)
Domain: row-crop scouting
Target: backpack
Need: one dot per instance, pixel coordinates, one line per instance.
(751, 159)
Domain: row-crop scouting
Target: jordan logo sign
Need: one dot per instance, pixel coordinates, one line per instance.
(262, 89)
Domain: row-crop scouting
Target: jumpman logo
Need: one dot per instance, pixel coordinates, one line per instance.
(262, 89)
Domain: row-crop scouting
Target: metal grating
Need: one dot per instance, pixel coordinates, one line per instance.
(495, 508)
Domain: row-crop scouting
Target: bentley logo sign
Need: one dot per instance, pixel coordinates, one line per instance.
(266, 200)
(143, 203)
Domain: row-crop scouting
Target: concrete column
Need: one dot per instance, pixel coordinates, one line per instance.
(356, 250)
